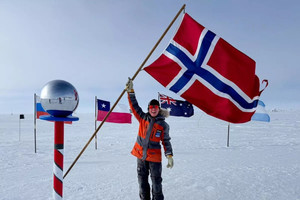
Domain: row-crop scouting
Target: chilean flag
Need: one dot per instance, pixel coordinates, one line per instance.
(208, 72)
(122, 114)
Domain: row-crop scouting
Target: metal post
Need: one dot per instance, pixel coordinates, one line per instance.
(96, 114)
(34, 122)
(19, 129)
(228, 135)
(20, 117)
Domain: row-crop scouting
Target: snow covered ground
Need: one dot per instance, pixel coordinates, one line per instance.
(262, 162)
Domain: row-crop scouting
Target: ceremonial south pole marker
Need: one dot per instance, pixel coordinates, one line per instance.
(60, 99)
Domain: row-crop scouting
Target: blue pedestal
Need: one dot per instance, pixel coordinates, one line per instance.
(59, 119)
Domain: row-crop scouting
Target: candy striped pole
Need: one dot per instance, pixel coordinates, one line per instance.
(58, 165)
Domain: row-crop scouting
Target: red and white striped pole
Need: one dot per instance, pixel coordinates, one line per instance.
(59, 99)
(58, 165)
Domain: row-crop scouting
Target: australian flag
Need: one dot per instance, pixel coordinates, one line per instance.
(208, 72)
(176, 107)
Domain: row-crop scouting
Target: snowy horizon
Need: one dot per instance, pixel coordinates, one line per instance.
(261, 162)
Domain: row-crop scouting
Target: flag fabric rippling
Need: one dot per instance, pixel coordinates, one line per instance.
(120, 115)
(176, 107)
(39, 109)
(261, 113)
(208, 72)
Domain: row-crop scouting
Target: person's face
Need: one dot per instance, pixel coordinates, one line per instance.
(153, 110)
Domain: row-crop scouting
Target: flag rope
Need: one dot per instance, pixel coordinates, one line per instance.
(123, 92)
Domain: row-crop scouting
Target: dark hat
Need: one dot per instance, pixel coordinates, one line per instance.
(153, 102)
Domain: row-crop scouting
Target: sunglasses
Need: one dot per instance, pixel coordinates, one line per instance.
(153, 106)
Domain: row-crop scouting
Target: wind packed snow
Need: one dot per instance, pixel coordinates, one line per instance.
(262, 161)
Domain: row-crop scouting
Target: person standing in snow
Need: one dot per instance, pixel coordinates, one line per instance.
(153, 130)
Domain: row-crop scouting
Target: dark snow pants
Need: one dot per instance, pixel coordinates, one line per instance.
(143, 169)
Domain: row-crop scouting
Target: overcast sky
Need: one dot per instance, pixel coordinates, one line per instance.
(96, 45)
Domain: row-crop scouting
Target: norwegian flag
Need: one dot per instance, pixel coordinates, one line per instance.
(208, 72)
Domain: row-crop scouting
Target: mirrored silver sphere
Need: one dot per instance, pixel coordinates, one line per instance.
(59, 98)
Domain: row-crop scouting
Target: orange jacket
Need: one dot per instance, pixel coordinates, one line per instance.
(152, 132)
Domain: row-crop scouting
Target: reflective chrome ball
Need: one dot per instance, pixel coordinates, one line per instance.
(59, 98)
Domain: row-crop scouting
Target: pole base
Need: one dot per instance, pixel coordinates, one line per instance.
(59, 119)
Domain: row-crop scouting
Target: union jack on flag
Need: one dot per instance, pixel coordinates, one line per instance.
(167, 99)
(208, 72)
(176, 107)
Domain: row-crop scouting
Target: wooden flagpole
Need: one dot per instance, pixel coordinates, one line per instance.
(123, 92)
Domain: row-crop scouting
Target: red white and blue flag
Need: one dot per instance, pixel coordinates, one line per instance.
(39, 108)
(208, 72)
(120, 115)
(176, 107)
